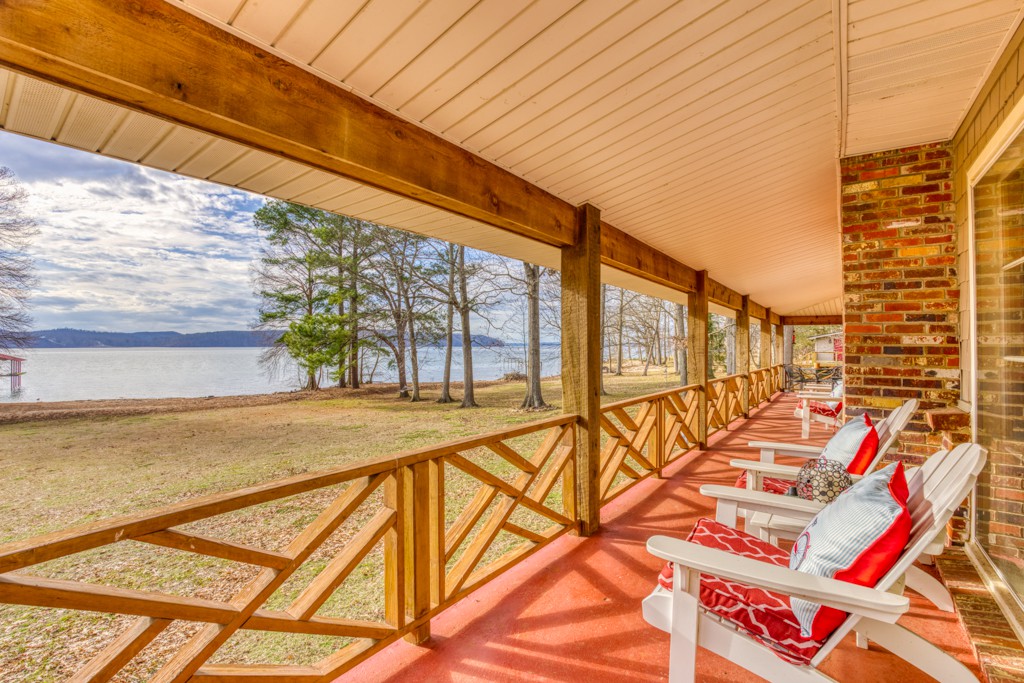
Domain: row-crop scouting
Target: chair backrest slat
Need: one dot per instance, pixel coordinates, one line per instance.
(895, 423)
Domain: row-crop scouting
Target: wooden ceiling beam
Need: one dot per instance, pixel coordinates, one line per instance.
(757, 311)
(724, 296)
(626, 253)
(812, 320)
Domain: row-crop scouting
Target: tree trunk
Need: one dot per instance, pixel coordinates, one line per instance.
(468, 397)
(730, 348)
(414, 360)
(658, 358)
(787, 344)
(353, 311)
(533, 400)
(446, 382)
(680, 343)
(342, 355)
(373, 368)
(620, 324)
(399, 352)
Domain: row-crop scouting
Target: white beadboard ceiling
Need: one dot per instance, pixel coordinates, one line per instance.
(709, 129)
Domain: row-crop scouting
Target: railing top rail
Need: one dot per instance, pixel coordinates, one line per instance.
(716, 380)
(30, 551)
(627, 402)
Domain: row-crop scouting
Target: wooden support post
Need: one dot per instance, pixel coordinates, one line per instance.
(780, 340)
(656, 449)
(581, 359)
(697, 351)
(394, 552)
(766, 340)
(743, 352)
(569, 477)
(418, 559)
(437, 529)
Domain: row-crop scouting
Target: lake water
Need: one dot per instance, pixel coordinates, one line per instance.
(105, 373)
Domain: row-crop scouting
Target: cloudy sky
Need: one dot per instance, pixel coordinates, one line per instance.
(126, 248)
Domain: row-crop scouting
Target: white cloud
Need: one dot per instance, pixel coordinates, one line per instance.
(126, 248)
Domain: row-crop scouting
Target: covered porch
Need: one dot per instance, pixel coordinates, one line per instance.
(793, 163)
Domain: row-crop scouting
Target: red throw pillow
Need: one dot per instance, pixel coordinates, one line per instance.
(858, 538)
(855, 444)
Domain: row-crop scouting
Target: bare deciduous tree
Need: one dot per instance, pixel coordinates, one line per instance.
(17, 275)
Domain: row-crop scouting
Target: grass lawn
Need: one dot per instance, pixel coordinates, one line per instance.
(61, 473)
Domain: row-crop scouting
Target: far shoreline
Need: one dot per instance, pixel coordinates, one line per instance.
(41, 411)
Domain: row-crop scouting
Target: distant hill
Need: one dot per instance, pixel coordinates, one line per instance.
(478, 340)
(66, 338)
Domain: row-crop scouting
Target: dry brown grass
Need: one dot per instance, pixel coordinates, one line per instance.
(65, 472)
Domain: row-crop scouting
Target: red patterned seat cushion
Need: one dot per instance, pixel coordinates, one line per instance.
(819, 408)
(765, 616)
(825, 409)
(770, 484)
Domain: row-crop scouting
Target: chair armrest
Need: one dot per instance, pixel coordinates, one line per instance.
(818, 396)
(848, 597)
(765, 469)
(770, 449)
(731, 500)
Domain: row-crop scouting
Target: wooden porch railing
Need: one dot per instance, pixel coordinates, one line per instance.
(762, 384)
(642, 435)
(724, 401)
(437, 547)
(438, 522)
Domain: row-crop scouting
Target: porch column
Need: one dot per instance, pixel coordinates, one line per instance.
(697, 351)
(581, 358)
(766, 339)
(787, 345)
(780, 340)
(743, 351)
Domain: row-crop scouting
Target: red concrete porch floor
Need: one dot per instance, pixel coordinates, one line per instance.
(571, 612)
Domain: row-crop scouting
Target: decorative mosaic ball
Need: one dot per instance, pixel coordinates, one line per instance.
(822, 480)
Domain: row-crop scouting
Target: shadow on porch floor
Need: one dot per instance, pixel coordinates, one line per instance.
(572, 611)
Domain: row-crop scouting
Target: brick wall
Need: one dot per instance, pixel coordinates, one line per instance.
(900, 285)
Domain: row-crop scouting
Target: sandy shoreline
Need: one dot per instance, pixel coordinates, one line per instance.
(60, 410)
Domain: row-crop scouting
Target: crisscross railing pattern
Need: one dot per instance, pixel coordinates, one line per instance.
(761, 385)
(642, 435)
(435, 549)
(724, 401)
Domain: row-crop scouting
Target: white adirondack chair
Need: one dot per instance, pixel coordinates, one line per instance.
(772, 527)
(889, 430)
(829, 416)
(936, 490)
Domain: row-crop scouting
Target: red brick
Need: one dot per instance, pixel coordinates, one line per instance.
(863, 328)
(881, 173)
(910, 211)
(920, 189)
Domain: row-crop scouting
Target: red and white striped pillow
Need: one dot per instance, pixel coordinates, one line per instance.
(855, 444)
(857, 538)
